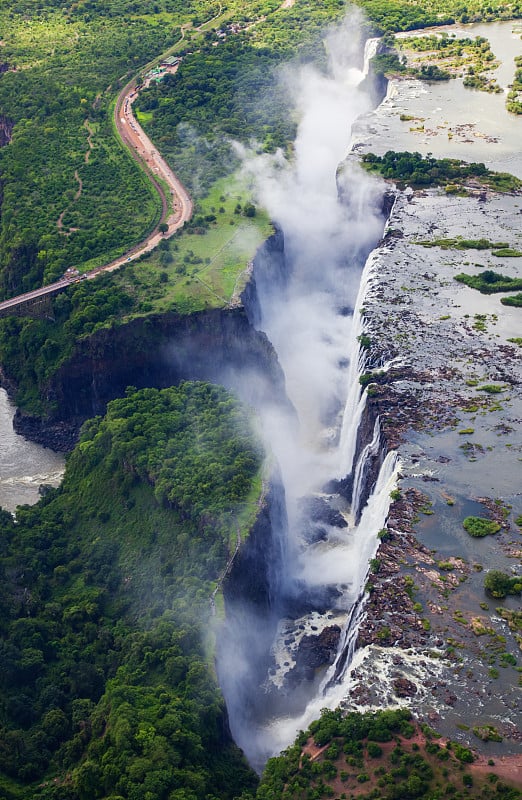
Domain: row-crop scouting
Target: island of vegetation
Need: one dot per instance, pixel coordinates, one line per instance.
(109, 585)
(384, 755)
(413, 169)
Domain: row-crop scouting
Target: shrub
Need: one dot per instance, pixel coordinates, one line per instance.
(498, 584)
(479, 527)
(463, 754)
(491, 388)
(374, 751)
(514, 300)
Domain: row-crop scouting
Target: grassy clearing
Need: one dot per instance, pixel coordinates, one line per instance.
(193, 271)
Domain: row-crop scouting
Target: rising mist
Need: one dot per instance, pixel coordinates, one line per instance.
(318, 567)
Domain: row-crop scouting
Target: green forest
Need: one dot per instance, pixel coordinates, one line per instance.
(106, 667)
(383, 755)
(71, 195)
(107, 681)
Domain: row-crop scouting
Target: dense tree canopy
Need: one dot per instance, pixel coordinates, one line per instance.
(104, 591)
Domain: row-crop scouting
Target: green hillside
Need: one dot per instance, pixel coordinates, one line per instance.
(107, 687)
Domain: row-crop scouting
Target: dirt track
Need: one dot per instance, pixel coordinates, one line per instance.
(176, 202)
(157, 169)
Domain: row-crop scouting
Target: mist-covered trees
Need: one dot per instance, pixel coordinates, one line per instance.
(219, 94)
(105, 680)
(193, 444)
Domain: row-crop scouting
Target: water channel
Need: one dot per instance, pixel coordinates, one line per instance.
(24, 465)
(450, 120)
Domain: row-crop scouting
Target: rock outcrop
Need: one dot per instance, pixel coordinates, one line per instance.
(6, 125)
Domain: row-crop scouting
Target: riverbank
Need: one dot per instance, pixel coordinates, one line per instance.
(452, 407)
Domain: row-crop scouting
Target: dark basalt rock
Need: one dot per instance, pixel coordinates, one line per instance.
(301, 599)
(269, 277)
(158, 351)
(319, 510)
(59, 436)
(314, 652)
(219, 345)
(315, 514)
(404, 688)
(6, 124)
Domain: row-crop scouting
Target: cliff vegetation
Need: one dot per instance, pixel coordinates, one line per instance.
(107, 684)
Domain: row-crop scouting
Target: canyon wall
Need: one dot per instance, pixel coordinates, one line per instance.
(218, 345)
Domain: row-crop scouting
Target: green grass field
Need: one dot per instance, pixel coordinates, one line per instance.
(201, 270)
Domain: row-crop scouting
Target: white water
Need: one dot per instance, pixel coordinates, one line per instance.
(356, 397)
(309, 323)
(24, 465)
(280, 732)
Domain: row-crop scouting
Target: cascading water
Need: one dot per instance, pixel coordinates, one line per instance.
(311, 323)
(356, 397)
(369, 451)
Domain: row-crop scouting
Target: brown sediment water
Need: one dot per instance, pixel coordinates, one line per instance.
(24, 465)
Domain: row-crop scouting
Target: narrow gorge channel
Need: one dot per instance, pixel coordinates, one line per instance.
(296, 593)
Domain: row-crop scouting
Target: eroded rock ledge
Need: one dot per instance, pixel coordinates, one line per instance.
(428, 618)
(218, 346)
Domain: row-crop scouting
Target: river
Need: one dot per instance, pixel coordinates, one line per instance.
(450, 120)
(459, 450)
(24, 466)
(482, 130)
(312, 339)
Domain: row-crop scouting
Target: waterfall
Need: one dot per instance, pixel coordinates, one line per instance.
(370, 50)
(279, 732)
(369, 451)
(356, 396)
(331, 221)
(372, 520)
(347, 644)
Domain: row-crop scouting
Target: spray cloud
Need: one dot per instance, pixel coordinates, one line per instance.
(308, 318)
(307, 313)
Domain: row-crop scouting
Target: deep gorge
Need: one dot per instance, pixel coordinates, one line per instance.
(294, 339)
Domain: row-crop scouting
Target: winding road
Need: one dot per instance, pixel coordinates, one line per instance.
(176, 202)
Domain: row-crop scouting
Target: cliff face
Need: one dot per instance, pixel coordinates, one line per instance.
(269, 275)
(218, 346)
(258, 567)
(251, 592)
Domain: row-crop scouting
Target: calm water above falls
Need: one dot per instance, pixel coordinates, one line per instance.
(24, 466)
(453, 121)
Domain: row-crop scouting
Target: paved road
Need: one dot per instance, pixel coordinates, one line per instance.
(176, 202)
